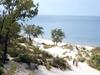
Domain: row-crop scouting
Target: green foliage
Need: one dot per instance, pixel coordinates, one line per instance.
(28, 30)
(11, 30)
(13, 12)
(95, 58)
(37, 30)
(0, 53)
(25, 58)
(60, 63)
(1, 70)
(20, 9)
(33, 30)
(57, 35)
(36, 57)
(21, 40)
(15, 50)
(40, 57)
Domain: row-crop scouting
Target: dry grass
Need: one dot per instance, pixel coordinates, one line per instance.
(48, 46)
(32, 73)
(68, 46)
(11, 70)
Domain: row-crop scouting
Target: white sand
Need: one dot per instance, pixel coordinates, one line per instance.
(82, 69)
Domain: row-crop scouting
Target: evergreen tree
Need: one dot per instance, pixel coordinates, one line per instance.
(14, 11)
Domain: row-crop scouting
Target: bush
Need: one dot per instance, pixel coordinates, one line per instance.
(41, 53)
(48, 46)
(60, 63)
(68, 46)
(1, 71)
(95, 58)
(81, 59)
(21, 40)
(15, 50)
(39, 57)
(24, 58)
(95, 62)
(12, 69)
(46, 55)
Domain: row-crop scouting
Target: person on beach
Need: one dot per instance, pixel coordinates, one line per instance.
(75, 62)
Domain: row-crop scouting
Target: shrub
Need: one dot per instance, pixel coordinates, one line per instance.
(48, 46)
(24, 58)
(95, 58)
(39, 57)
(47, 55)
(68, 46)
(81, 59)
(60, 63)
(21, 40)
(95, 62)
(41, 53)
(12, 70)
(1, 71)
(15, 50)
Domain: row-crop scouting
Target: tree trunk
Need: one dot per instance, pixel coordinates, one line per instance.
(30, 38)
(5, 50)
(56, 43)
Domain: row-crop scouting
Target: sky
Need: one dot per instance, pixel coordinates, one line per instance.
(69, 7)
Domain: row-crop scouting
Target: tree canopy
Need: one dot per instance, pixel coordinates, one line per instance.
(33, 30)
(57, 35)
(14, 11)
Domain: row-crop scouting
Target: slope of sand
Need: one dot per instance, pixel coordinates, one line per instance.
(82, 69)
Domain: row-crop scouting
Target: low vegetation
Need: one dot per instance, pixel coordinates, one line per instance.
(16, 50)
(1, 70)
(39, 57)
(81, 59)
(95, 58)
(68, 46)
(48, 46)
(21, 49)
(1, 64)
(60, 63)
(11, 70)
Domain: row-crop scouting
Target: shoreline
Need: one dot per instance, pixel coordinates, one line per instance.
(91, 44)
(50, 42)
(75, 42)
(84, 43)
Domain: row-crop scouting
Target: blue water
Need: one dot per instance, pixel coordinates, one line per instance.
(78, 29)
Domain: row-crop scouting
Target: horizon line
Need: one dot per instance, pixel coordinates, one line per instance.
(69, 15)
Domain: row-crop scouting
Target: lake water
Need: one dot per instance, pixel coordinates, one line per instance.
(78, 29)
